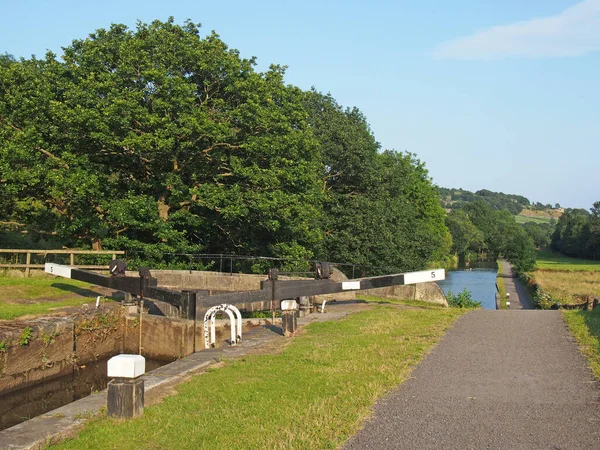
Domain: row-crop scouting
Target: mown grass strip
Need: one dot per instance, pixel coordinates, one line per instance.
(549, 260)
(27, 296)
(585, 326)
(313, 395)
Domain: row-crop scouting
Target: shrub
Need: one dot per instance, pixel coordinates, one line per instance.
(462, 300)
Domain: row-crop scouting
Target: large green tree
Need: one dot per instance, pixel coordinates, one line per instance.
(577, 233)
(380, 208)
(502, 235)
(156, 138)
(465, 236)
(159, 140)
(541, 233)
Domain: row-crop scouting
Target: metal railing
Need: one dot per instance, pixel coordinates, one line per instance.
(229, 263)
(29, 259)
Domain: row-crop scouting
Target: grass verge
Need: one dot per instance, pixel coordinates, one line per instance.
(313, 395)
(10, 311)
(28, 296)
(585, 326)
(501, 286)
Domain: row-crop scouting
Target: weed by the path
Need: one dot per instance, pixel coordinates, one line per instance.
(26, 336)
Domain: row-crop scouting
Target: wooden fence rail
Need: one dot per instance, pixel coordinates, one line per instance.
(28, 266)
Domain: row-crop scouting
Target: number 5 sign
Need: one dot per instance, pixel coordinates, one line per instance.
(424, 276)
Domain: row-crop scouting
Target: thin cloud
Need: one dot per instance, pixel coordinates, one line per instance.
(573, 32)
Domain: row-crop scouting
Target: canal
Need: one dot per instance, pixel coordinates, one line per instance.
(479, 279)
(27, 403)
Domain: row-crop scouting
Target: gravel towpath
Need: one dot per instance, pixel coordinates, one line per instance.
(519, 297)
(498, 380)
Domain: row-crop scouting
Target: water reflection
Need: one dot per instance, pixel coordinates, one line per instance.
(24, 404)
(479, 279)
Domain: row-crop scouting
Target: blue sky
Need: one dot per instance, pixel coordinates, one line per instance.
(491, 95)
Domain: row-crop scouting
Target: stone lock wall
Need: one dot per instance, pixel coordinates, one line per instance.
(59, 346)
(427, 292)
(36, 350)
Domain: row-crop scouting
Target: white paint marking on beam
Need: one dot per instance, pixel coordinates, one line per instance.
(58, 269)
(424, 276)
(350, 285)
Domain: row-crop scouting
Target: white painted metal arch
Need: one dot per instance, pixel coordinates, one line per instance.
(235, 318)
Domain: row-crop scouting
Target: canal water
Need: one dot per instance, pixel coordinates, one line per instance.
(27, 403)
(479, 279)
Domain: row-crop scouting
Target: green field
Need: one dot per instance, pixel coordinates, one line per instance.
(549, 260)
(315, 394)
(567, 280)
(525, 219)
(35, 296)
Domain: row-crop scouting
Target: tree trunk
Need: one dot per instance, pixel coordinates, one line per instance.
(96, 244)
(163, 209)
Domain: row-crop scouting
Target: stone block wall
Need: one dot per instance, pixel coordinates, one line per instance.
(427, 292)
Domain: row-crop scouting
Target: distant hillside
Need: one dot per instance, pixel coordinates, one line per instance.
(540, 216)
(517, 204)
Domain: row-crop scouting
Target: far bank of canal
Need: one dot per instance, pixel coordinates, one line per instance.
(479, 279)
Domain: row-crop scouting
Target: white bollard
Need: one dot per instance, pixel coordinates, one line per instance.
(125, 397)
(289, 321)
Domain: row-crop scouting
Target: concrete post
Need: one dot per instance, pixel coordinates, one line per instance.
(188, 305)
(125, 397)
(304, 306)
(289, 321)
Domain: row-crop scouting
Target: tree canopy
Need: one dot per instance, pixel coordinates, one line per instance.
(477, 227)
(577, 233)
(156, 139)
(456, 198)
